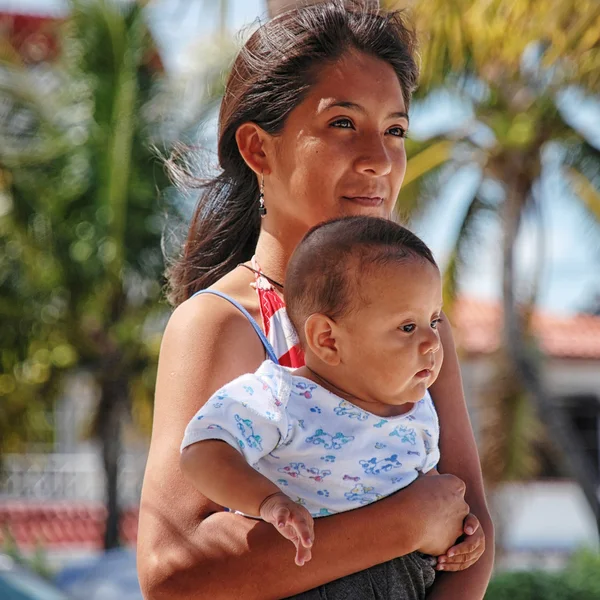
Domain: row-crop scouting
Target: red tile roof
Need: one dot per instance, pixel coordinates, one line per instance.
(478, 329)
(61, 525)
(33, 38)
(36, 39)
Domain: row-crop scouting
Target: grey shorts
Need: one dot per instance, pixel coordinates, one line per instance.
(406, 578)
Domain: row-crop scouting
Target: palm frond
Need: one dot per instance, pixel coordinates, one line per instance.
(426, 163)
(118, 164)
(489, 39)
(585, 191)
(431, 157)
(459, 255)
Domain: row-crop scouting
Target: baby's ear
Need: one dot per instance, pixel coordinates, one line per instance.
(320, 336)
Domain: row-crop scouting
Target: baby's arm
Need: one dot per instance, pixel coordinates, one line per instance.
(238, 426)
(222, 474)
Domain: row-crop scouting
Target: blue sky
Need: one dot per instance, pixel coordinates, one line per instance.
(571, 276)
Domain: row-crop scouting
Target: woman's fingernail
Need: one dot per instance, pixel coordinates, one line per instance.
(441, 560)
(469, 530)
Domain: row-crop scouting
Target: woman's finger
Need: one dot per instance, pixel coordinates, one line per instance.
(468, 545)
(462, 558)
(460, 561)
(471, 524)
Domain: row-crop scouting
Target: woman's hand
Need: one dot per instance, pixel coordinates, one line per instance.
(292, 521)
(467, 551)
(441, 501)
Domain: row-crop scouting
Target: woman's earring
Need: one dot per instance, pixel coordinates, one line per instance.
(262, 210)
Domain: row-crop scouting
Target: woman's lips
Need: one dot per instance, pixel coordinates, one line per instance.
(365, 200)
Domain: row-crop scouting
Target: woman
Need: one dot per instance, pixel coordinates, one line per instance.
(311, 128)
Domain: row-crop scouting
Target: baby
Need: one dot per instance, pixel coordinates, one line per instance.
(356, 423)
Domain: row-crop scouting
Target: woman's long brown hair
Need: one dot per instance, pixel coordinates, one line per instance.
(269, 78)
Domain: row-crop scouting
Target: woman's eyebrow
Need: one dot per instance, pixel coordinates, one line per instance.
(327, 104)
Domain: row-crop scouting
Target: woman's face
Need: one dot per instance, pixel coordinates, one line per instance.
(341, 151)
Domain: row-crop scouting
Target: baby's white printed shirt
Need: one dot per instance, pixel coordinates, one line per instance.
(321, 450)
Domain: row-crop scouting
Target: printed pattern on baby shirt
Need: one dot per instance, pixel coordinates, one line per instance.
(323, 451)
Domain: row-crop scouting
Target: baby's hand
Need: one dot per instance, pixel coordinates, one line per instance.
(292, 521)
(469, 549)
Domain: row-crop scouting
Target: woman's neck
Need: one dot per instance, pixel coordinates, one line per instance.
(273, 253)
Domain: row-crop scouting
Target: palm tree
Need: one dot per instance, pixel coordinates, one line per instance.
(80, 229)
(511, 64)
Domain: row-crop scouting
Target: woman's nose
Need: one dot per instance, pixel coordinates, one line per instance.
(374, 158)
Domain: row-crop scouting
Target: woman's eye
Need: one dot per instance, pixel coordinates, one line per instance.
(408, 328)
(343, 124)
(397, 132)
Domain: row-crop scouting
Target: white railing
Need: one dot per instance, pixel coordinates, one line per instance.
(71, 477)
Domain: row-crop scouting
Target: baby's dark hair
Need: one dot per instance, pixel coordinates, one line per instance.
(324, 273)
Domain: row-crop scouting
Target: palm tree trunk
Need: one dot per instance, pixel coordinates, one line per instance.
(110, 433)
(524, 363)
(223, 16)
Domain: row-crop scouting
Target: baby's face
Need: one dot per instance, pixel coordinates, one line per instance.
(389, 346)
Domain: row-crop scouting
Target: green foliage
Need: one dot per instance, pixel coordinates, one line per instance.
(81, 218)
(580, 580)
(529, 585)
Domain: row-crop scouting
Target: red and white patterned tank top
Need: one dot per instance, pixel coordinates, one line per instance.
(276, 324)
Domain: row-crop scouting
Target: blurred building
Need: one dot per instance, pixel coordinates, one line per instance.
(540, 522)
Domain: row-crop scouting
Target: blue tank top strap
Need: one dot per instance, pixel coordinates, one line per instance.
(268, 348)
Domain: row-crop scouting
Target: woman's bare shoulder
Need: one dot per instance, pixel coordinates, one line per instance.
(202, 320)
(207, 343)
(206, 323)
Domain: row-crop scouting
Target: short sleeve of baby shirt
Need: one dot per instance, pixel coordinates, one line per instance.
(431, 436)
(249, 413)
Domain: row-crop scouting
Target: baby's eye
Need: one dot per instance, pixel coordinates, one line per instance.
(397, 132)
(408, 328)
(343, 124)
(435, 323)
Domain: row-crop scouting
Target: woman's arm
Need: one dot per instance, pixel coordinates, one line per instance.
(459, 456)
(188, 548)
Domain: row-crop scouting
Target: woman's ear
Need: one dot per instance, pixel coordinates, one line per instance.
(320, 336)
(253, 143)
